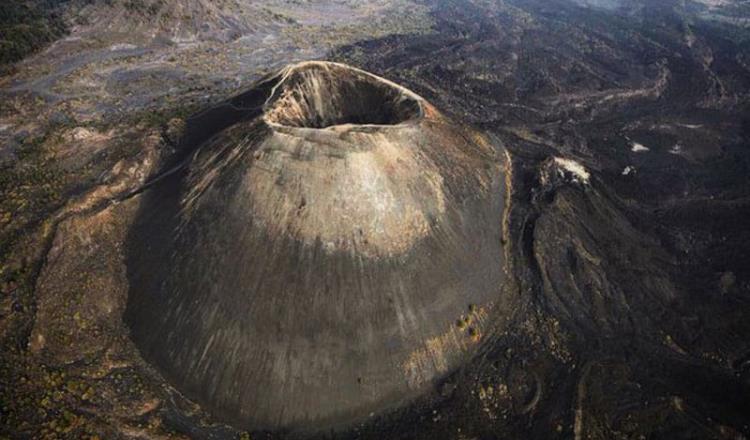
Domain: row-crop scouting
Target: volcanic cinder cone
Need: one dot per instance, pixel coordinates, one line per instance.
(330, 258)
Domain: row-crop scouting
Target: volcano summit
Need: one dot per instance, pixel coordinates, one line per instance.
(329, 257)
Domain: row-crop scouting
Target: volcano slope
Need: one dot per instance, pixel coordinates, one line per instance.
(307, 266)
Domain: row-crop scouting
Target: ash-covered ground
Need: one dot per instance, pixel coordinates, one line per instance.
(626, 241)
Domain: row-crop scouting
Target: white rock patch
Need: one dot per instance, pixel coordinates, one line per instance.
(122, 46)
(580, 174)
(81, 134)
(691, 126)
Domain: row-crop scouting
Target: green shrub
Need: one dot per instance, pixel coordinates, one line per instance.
(26, 26)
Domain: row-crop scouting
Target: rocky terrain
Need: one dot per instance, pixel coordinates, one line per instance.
(624, 131)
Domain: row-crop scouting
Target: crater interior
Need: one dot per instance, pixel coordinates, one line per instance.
(322, 95)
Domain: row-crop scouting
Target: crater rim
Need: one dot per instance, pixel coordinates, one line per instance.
(401, 107)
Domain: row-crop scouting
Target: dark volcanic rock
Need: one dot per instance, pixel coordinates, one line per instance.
(325, 250)
(308, 266)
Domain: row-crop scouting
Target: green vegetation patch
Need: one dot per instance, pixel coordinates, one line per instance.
(26, 26)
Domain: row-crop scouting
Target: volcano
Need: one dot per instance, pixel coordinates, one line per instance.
(330, 257)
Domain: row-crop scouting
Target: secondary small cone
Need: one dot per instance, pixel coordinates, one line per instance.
(308, 267)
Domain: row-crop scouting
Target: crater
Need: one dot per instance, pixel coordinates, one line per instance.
(320, 95)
